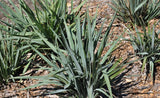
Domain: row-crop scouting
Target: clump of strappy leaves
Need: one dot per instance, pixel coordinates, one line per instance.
(13, 52)
(139, 12)
(79, 69)
(147, 46)
(45, 15)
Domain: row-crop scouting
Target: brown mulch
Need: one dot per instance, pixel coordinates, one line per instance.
(132, 83)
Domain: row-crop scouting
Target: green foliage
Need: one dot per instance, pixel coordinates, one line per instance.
(81, 70)
(46, 16)
(147, 46)
(78, 67)
(17, 18)
(11, 56)
(139, 12)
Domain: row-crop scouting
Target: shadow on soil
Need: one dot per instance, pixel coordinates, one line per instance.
(120, 88)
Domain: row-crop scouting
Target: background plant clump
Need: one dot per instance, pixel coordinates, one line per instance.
(139, 12)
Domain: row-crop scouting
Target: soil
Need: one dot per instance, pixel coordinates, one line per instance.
(133, 83)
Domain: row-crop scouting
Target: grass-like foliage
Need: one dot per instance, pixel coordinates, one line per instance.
(78, 66)
(46, 16)
(139, 12)
(82, 70)
(11, 56)
(17, 18)
(147, 46)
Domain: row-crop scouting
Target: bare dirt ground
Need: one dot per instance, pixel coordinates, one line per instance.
(132, 83)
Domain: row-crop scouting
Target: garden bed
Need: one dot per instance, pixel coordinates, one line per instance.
(132, 83)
